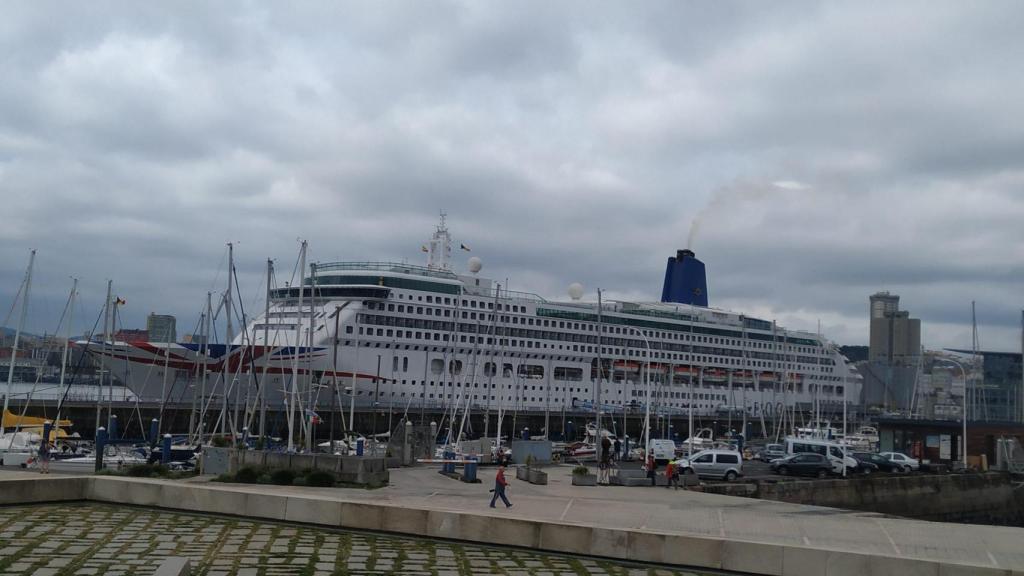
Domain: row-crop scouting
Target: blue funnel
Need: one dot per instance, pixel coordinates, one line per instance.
(685, 280)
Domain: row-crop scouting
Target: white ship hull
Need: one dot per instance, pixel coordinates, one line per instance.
(403, 337)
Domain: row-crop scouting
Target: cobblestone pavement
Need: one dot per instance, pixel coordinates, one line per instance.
(57, 539)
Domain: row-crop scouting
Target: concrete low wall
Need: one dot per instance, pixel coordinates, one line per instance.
(974, 498)
(635, 545)
(39, 490)
(539, 449)
(372, 470)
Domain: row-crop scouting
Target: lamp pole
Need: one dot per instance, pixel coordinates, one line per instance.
(963, 374)
(647, 385)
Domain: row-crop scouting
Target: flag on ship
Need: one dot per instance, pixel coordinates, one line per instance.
(314, 418)
(118, 301)
(424, 249)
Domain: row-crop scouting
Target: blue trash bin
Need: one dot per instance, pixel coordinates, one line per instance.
(449, 467)
(469, 470)
(359, 447)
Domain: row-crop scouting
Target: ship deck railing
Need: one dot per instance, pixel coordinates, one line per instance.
(387, 267)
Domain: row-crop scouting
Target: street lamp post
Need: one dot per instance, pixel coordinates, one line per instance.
(647, 385)
(963, 374)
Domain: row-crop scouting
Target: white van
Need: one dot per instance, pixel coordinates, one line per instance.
(663, 450)
(833, 450)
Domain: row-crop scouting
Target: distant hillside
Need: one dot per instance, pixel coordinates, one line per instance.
(854, 353)
(9, 332)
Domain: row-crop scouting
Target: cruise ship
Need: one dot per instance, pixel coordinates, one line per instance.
(411, 337)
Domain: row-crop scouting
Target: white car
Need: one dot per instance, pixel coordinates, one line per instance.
(906, 462)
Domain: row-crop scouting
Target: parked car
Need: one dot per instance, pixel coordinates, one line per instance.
(882, 463)
(723, 464)
(863, 466)
(772, 452)
(834, 450)
(906, 462)
(806, 464)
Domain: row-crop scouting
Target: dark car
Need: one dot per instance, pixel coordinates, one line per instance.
(863, 466)
(882, 463)
(805, 464)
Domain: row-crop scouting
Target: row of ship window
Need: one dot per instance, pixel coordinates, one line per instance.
(441, 333)
(707, 361)
(581, 326)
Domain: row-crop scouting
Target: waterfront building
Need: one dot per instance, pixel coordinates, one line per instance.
(894, 356)
(995, 396)
(161, 328)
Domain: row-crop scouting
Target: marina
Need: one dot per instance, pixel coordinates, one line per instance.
(454, 288)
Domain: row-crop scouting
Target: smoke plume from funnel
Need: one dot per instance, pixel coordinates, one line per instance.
(694, 227)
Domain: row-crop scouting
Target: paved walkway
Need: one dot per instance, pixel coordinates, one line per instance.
(686, 512)
(690, 513)
(99, 539)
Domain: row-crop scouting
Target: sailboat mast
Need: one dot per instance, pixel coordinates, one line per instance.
(308, 418)
(293, 393)
(163, 387)
(600, 371)
(226, 371)
(206, 367)
(494, 368)
(67, 343)
(17, 333)
(103, 355)
(266, 353)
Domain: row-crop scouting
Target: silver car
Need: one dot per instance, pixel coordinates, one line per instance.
(723, 464)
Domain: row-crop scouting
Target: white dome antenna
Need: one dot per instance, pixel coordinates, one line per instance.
(575, 290)
(474, 264)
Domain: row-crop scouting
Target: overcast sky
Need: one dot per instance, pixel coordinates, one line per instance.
(825, 151)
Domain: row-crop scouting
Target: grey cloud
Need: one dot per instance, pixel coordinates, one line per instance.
(569, 142)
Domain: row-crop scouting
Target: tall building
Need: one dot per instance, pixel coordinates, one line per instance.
(894, 354)
(895, 336)
(162, 328)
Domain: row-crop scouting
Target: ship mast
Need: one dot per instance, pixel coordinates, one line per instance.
(439, 254)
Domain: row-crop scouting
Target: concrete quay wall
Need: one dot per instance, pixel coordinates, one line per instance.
(974, 498)
(368, 470)
(625, 544)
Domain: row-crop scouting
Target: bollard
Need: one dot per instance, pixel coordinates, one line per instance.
(154, 431)
(245, 438)
(112, 430)
(47, 428)
(165, 450)
(101, 443)
(360, 442)
(407, 445)
(469, 471)
(44, 444)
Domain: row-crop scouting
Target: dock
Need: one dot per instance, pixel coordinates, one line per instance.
(682, 528)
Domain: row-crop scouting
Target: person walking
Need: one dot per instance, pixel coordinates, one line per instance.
(618, 450)
(651, 466)
(671, 475)
(605, 461)
(499, 488)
